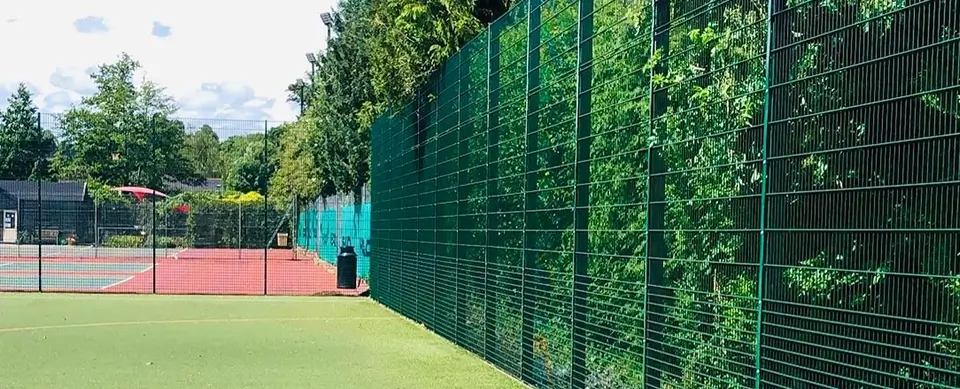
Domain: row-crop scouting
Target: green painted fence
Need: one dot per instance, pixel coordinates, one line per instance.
(329, 224)
(685, 194)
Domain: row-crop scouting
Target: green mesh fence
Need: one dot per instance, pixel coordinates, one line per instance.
(685, 194)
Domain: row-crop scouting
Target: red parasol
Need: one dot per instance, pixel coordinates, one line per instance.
(140, 192)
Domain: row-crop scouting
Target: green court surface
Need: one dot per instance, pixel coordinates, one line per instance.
(30, 282)
(76, 267)
(121, 341)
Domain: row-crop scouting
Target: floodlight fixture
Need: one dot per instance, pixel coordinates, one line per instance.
(327, 19)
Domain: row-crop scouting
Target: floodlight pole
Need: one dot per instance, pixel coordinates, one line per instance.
(313, 73)
(301, 98)
(327, 20)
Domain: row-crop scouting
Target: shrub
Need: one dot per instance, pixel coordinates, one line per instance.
(176, 242)
(124, 241)
(231, 221)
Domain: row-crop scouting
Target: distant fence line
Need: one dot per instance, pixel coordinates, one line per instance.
(334, 222)
(159, 205)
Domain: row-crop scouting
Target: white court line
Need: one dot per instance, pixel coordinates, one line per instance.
(117, 283)
(176, 256)
(73, 251)
(50, 251)
(198, 321)
(146, 270)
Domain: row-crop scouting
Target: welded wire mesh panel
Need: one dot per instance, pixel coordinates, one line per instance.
(506, 199)
(377, 135)
(472, 194)
(548, 192)
(705, 188)
(689, 194)
(421, 262)
(619, 119)
(385, 229)
(446, 268)
(861, 276)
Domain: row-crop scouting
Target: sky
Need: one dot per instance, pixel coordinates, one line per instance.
(218, 59)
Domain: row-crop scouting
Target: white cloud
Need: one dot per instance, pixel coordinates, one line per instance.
(223, 58)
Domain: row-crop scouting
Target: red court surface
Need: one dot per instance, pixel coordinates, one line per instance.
(191, 271)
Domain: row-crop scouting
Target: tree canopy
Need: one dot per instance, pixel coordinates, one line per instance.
(25, 150)
(202, 148)
(383, 51)
(123, 133)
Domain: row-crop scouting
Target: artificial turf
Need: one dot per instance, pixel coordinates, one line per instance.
(129, 341)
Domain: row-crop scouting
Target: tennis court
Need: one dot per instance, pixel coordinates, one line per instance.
(166, 270)
(72, 341)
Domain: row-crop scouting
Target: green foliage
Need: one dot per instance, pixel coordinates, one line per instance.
(244, 168)
(234, 221)
(345, 89)
(417, 37)
(842, 144)
(174, 242)
(124, 241)
(121, 135)
(298, 175)
(25, 150)
(202, 148)
(103, 194)
(382, 52)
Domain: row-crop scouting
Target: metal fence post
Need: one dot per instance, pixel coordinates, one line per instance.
(493, 155)
(153, 200)
(581, 214)
(266, 209)
(530, 188)
(773, 6)
(295, 221)
(656, 252)
(39, 205)
(458, 253)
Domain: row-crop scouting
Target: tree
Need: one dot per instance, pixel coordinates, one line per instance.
(25, 150)
(122, 134)
(203, 150)
(415, 37)
(298, 174)
(244, 169)
(382, 53)
(345, 88)
(487, 11)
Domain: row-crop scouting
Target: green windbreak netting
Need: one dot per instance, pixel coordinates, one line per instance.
(685, 194)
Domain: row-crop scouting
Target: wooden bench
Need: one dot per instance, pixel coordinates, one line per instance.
(49, 236)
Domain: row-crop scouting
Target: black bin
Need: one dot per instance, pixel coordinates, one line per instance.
(347, 268)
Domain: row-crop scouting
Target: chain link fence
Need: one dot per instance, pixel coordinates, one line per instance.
(154, 204)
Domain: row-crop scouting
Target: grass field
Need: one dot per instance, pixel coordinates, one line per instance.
(155, 341)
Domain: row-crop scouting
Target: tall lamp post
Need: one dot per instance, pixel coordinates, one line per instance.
(313, 73)
(301, 97)
(327, 21)
(313, 65)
